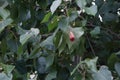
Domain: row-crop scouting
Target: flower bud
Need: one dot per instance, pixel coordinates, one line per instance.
(71, 36)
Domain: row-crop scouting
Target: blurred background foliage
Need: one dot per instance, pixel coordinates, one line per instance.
(35, 43)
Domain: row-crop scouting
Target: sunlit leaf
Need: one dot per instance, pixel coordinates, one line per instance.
(55, 5)
(28, 34)
(46, 18)
(91, 64)
(7, 68)
(91, 10)
(81, 3)
(5, 23)
(3, 76)
(4, 13)
(103, 74)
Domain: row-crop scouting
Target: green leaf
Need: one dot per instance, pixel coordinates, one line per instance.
(7, 68)
(48, 41)
(41, 65)
(49, 60)
(64, 24)
(91, 10)
(47, 17)
(42, 4)
(102, 74)
(78, 32)
(73, 16)
(35, 31)
(5, 23)
(35, 52)
(91, 64)
(57, 39)
(2, 2)
(51, 75)
(112, 60)
(53, 23)
(80, 46)
(84, 22)
(109, 17)
(4, 13)
(117, 68)
(73, 71)
(21, 31)
(13, 45)
(95, 31)
(24, 14)
(99, 2)
(20, 66)
(55, 5)
(3, 46)
(62, 44)
(24, 38)
(81, 3)
(3, 76)
(20, 51)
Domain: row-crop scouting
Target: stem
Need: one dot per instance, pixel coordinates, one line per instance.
(66, 10)
(90, 46)
(76, 67)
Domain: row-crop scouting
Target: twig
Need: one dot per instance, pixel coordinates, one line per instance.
(76, 67)
(90, 46)
(46, 35)
(13, 34)
(108, 30)
(111, 32)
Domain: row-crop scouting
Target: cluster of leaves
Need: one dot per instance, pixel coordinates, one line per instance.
(35, 42)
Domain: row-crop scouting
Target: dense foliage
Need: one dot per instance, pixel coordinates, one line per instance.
(59, 39)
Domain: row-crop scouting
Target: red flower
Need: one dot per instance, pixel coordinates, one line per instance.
(71, 36)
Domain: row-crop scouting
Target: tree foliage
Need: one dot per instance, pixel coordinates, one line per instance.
(59, 39)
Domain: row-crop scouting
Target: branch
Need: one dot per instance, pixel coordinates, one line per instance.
(90, 45)
(46, 35)
(107, 30)
(111, 32)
